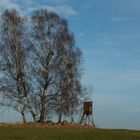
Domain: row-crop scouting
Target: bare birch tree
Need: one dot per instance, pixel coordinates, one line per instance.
(13, 85)
(40, 65)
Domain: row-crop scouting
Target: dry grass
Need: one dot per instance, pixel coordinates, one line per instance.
(43, 125)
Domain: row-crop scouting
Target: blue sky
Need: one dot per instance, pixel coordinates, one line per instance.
(108, 33)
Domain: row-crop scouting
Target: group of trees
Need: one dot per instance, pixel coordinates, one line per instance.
(40, 66)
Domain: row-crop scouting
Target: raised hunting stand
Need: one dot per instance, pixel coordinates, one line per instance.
(87, 116)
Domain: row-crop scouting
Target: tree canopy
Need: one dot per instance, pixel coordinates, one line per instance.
(40, 65)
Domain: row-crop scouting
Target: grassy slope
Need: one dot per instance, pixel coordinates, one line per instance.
(66, 134)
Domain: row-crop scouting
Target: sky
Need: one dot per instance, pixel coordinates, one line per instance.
(108, 33)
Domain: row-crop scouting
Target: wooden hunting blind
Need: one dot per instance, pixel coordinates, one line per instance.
(87, 116)
(87, 108)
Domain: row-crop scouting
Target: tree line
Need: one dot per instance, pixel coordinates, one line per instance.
(40, 65)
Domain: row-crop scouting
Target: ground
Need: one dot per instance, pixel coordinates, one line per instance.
(65, 133)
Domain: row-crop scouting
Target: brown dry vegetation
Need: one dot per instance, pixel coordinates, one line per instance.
(43, 125)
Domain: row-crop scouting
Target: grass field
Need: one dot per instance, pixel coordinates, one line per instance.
(67, 134)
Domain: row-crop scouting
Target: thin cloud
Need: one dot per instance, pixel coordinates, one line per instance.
(61, 8)
(57, 1)
(80, 34)
(7, 4)
(66, 10)
(120, 18)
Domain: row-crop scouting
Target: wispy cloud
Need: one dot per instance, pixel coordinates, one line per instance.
(64, 10)
(7, 4)
(80, 34)
(58, 6)
(117, 18)
(58, 2)
(86, 6)
(124, 82)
